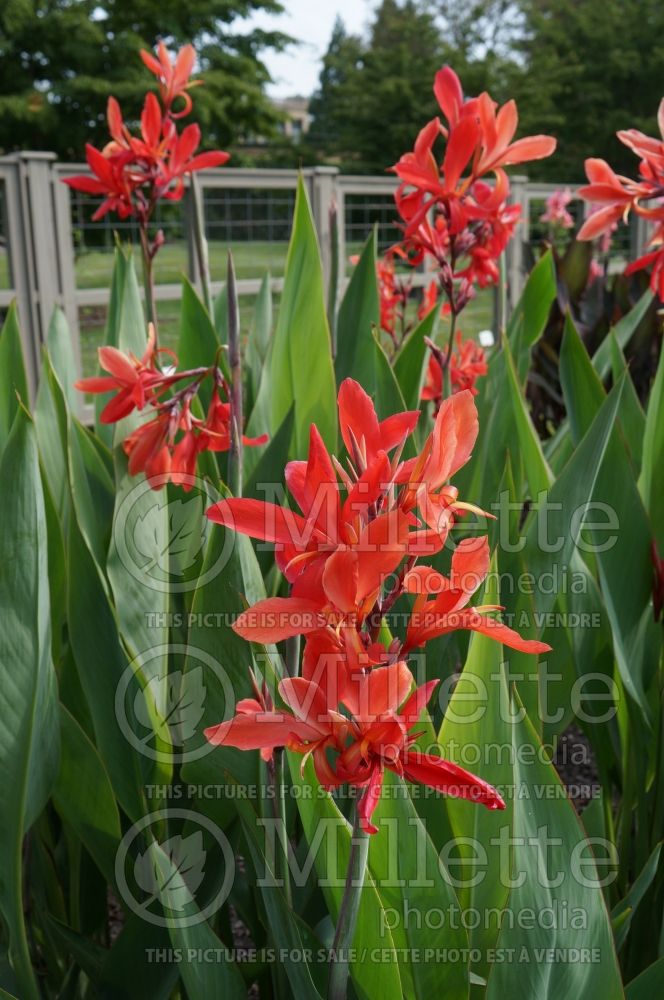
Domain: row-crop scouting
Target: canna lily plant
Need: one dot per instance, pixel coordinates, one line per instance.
(288, 726)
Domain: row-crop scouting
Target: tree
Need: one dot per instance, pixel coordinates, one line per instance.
(375, 96)
(329, 106)
(61, 59)
(585, 70)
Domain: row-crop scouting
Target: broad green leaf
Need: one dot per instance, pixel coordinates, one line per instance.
(623, 553)
(623, 332)
(528, 321)
(61, 355)
(651, 482)
(553, 870)
(622, 914)
(149, 527)
(101, 664)
(269, 470)
(201, 978)
(84, 797)
(475, 732)
(126, 328)
(649, 984)
(50, 416)
(226, 659)
(632, 417)
(13, 381)
(258, 340)
(358, 316)
(91, 492)
(289, 932)
(198, 346)
(301, 368)
(328, 836)
(29, 729)
(409, 364)
(409, 877)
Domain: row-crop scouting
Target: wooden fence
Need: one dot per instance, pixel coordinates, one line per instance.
(42, 243)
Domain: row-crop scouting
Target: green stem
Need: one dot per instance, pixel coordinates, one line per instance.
(235, 364)
(350, 904)
(447, 377)
(281, 817)
(148, 281)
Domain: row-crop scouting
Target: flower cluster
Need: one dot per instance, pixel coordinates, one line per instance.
(617, 196)
(133, 172)
(167, 445)
(348, 557)
(448, 210)
(556, 213)
(467, 364)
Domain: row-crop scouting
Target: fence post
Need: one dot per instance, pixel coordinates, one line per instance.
(514, 255)
(323, 197)
(20, 266)
(40, 252)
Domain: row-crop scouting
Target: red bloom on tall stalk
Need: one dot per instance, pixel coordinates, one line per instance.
(449, 212)
(135, 172)
(168, 444)
(615, 197)
(349, 555)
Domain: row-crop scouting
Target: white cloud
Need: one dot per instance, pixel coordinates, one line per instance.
(311, 21)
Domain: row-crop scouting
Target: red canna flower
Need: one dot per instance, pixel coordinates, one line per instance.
(618, 196)
(354, 748)
(135, 172)
(467, 364)
(173, 76)
(448, 611)
(448, 211)
(137, 380)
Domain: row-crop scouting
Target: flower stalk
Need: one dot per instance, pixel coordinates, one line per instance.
(235, 364)
(348, 911)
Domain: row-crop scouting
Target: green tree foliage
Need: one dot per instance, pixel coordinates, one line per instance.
(375, 95)
(61, 59)
(585, 70)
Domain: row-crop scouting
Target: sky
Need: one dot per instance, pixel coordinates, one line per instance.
(296, 71)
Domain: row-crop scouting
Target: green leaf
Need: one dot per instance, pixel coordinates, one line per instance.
(83, 796)
(632, 417)
(358, 316)
(621, 915)
(409, 365)
(301, 368)
(528, 321)
(13, 379)
(258, 341)
(29, 732)
(477, 718)
(201, 978)
(651, 482)
(61, 354)
(649, 984)
(408, 874)
(198, 346)
(221, 588)
(623, 332)
(126, 328)
(271, 464)
(624, 564)
(50, 415)
(328, 835)
(101, 664)
(554, 871)
(290, 933)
